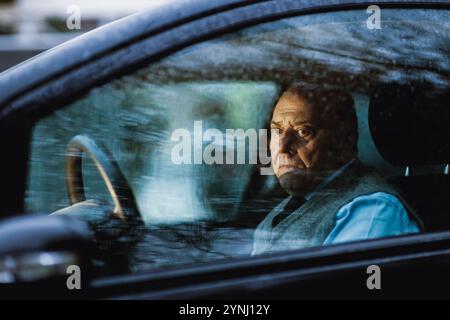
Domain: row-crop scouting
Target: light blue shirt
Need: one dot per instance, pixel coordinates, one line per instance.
(375, 215)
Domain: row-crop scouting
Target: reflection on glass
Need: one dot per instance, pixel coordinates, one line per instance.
(199, 212)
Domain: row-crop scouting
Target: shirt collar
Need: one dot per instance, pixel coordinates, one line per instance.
(327, 180)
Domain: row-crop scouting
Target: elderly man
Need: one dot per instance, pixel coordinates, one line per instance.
(333, 196)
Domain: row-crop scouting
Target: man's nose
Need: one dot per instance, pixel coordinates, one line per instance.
(288, 142)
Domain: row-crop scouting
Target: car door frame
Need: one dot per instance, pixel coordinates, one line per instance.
(18, 113)
(320, 268)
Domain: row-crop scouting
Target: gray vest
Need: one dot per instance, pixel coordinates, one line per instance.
(310, 224)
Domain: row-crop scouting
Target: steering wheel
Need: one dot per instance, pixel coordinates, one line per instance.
(125, 207)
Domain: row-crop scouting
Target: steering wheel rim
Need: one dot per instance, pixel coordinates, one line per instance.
(125, 207)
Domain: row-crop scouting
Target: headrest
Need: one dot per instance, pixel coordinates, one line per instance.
(410, 124)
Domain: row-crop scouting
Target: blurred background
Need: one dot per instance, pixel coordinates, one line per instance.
(28, 27)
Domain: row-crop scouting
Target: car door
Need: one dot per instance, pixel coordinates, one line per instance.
(181, 118)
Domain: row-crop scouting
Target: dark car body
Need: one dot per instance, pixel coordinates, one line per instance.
(415, 266)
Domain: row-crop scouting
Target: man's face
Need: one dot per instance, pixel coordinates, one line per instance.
(306, 147)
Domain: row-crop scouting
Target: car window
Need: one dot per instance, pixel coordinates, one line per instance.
(191, 135)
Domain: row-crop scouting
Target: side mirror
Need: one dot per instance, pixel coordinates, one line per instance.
(38, 253)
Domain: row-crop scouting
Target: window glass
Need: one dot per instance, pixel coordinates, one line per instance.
(191, 133)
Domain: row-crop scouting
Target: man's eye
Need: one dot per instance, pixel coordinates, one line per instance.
(304, 132)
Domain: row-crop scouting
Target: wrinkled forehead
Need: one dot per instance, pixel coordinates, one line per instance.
(297, 107)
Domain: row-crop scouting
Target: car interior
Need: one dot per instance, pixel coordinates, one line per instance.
(409, 126)
(149, 213)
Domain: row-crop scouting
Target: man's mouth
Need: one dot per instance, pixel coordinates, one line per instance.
(286, 168)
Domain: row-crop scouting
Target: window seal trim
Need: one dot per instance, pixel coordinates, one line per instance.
(405, 248)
